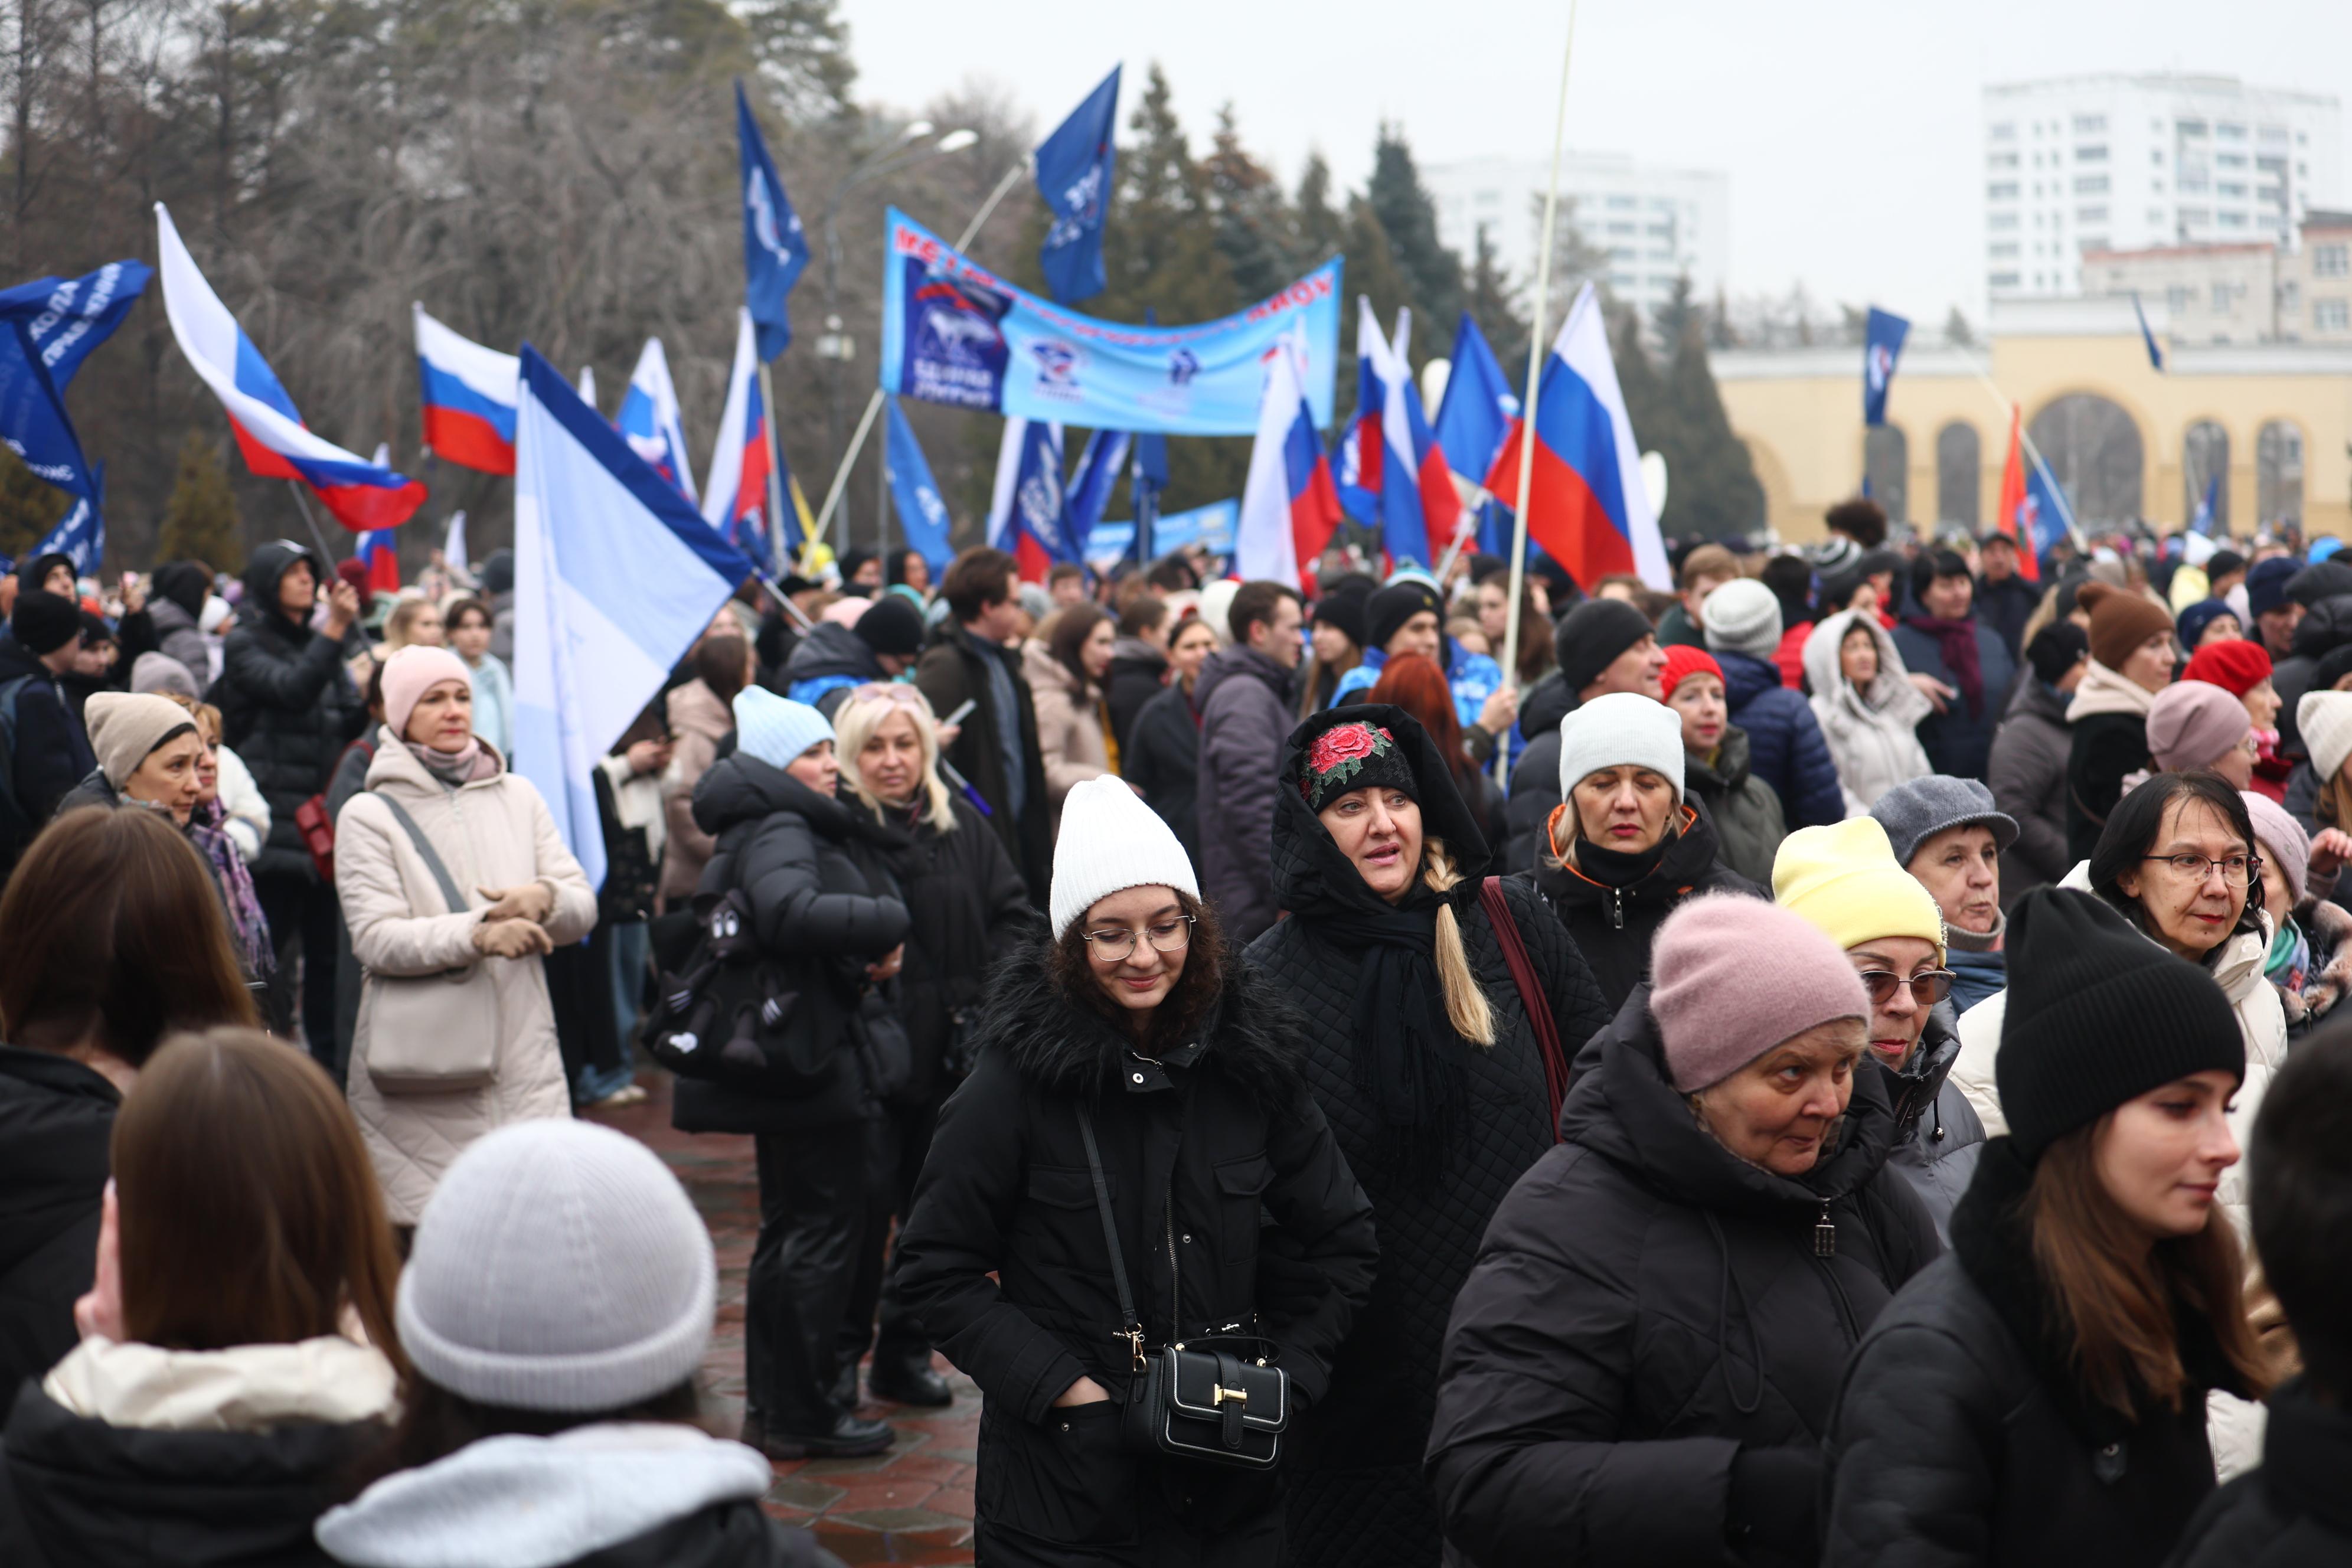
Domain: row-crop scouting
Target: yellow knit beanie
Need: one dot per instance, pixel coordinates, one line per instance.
(1844, 880)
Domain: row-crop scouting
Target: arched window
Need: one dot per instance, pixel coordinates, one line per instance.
(1886, 463)
(2205, 470)
(2278, 473)
(1959, 468)
(2095, 453)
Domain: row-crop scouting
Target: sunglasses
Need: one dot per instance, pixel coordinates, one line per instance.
(1928, 988)
(905, 696)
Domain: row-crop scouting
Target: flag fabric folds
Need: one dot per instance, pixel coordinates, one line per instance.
(452, 545)
(48, 327)
(921, 513)
(470, 397)
(2011, 517)
(1398, 457)
(80, 535)
(1882, 345)
(269, 430)
(649, 419)
(735, 493)
(381, 555)
(1096, 477)
(2202, 521)
(1475, 413)
(615, 576)
(774, 248)
(1586, 503)
(1289, 506)
(1029, 513)
(1076, 166)
(2155, 355)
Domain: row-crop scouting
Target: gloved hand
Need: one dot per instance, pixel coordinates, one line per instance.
(512, 939)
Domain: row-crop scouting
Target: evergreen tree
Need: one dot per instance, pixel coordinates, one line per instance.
(1322, 232)
(1714, 489)
(1647, 405)
(1957, 331)
(1677, 316)
(1720, 333)
(1492, 299)
(200, 520)
(1255, 227)
(29, 506)
(1432, 274)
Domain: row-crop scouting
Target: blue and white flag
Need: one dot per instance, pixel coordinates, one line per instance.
(774, 248)
(48, 327)
(1882, 345)
(2045, 515)
(1029, 514)
(2203, 522)
(80, 535)
(1095, 478)
(649, 419)
(2155, 355)
(615, 576)
(70, 316)
(1076, 166)
(921, 513)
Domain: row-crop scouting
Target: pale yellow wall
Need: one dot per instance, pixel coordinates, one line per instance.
(1805, 429)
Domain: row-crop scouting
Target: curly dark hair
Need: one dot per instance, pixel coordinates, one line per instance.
(1189, 1001)
(1861, 519)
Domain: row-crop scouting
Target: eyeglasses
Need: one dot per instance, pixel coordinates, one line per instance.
(1927, 987)
(2237, 870)
(1113, 945)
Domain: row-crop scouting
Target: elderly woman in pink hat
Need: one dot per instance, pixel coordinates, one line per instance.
(456, 885)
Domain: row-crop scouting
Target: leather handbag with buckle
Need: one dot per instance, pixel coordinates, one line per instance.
(432, 1034)
(1210, 1398)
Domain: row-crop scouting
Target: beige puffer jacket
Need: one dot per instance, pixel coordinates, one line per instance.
(492, 833)
(1069, 725)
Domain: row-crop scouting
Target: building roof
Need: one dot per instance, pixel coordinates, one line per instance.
(2176, 252)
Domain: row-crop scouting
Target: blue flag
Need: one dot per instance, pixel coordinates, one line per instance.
(1100, 462)
(615, 576)
(1475, 413)
(1075, 166)
(2155, 355)
(48, 327)
(774, 248)
(2203, 522)
(81, 535)
(1882, 345)
(2045, 518)
(921, 512)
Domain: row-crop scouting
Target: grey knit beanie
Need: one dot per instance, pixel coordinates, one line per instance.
(558, 1266)
(1742, 616)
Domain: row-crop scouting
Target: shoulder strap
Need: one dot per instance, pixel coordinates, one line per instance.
(1531, 995)
(449, 893)
(1133, 1332)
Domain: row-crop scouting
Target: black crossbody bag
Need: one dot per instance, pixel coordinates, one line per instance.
(1205, 1400)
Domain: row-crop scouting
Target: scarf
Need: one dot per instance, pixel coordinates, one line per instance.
(1408, 1062)
(2290, 956)
(1615, 867)
(1956, 641)
(1958, 941)
(248, 928)
(454, 768)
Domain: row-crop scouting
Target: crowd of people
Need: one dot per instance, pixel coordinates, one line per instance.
(1832, 1064)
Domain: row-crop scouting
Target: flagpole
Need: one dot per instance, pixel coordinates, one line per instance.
(2057, 491)
(874, 404)
(325, 553)
(1527, 407)
(776, 461)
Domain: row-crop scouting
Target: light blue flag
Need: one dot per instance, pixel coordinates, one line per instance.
(921, 512)
(615, 576)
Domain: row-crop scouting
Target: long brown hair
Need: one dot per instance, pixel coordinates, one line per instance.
(111, 932)
(250, 1212)
(1067, 641)
(2111, 1295)
(1187, 1001)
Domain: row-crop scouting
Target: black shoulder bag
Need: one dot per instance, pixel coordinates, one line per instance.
(1187, 1402)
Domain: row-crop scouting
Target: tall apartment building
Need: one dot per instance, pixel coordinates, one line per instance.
(2119, 162)
(1655, 223)
(2258, 292)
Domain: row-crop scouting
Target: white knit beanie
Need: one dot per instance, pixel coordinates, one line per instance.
(2325, 718)
(776, 730)
(1742, 616)
(559, 1265)
(1623, 729)
(1110, 841)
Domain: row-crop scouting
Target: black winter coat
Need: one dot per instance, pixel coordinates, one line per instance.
(822, 918)
(1138, 673)
(2325, 627)
(1961, 1437)
(1614, 927)
(1201, 1147)
(2106, 749)
(1534, 777)
(829, 662)
(2006, 607)
(1245, 698)
(950, 672)
(2293, 1512)
(1643, 1363)
(1741, 809)
(50, 752)
(1357, 1496)
(77, 1493)
(287, 707)
(56, 1118)
(1162, 757)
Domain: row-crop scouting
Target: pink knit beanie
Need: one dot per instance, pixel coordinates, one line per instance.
(2193, 725)
(409, 674)
(1735, 976)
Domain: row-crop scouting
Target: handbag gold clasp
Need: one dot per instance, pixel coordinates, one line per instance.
(1221, 1394)
(1134, 1338)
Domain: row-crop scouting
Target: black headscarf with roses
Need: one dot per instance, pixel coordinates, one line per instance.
(1408, 1062)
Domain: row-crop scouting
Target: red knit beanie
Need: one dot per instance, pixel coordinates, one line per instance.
(1687, 661)
(2236, 667)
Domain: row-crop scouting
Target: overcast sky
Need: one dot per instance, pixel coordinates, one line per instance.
(1850, 132)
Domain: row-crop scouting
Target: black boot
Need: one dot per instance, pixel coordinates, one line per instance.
(845, 1386)
(850, 1438)
(907, 1381)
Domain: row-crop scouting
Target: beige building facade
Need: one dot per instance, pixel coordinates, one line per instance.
(2267, 424)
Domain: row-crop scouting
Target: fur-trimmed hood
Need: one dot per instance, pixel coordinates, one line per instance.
(1250, 1035)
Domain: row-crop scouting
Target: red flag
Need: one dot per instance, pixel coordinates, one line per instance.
(2012, 500)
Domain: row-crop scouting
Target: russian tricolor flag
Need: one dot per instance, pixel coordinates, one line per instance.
(648, 419)
(381, 556)
(1586, 503)
(1289, 505)
(735, 495)
(1398, 459)
(269, 429)
(470, 398)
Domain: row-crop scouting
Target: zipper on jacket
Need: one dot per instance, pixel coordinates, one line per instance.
(1825, 1234)
(1617, 909)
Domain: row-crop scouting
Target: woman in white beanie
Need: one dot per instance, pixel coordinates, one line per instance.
(554, 1309)
(1135, 1039)
(811, 874)
(440, 806)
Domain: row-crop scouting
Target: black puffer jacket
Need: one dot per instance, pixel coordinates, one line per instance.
(50, 749)
(1200, 1145)
(2291, 1513)
(1938, 1136)
(1162, 757)
(2325, 627)
(1643, 1363)
(1534, 777)
(1138, 673)
(56, 1118)
(1961, 1436)
(1357, 1496)
(1614, 927)
(822, 917)
(77, 1493)
(830, 662)
(287, 708)
(1742, 809)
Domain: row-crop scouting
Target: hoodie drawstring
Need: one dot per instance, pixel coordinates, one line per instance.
(1725, 1292)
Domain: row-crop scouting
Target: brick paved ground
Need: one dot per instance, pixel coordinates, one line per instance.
(912, 1504)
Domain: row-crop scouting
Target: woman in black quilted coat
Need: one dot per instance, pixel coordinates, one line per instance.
(1641, 1365)
(1419, 1049)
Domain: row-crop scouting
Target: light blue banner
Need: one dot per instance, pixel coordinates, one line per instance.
(1211, 526)
(954, 332)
